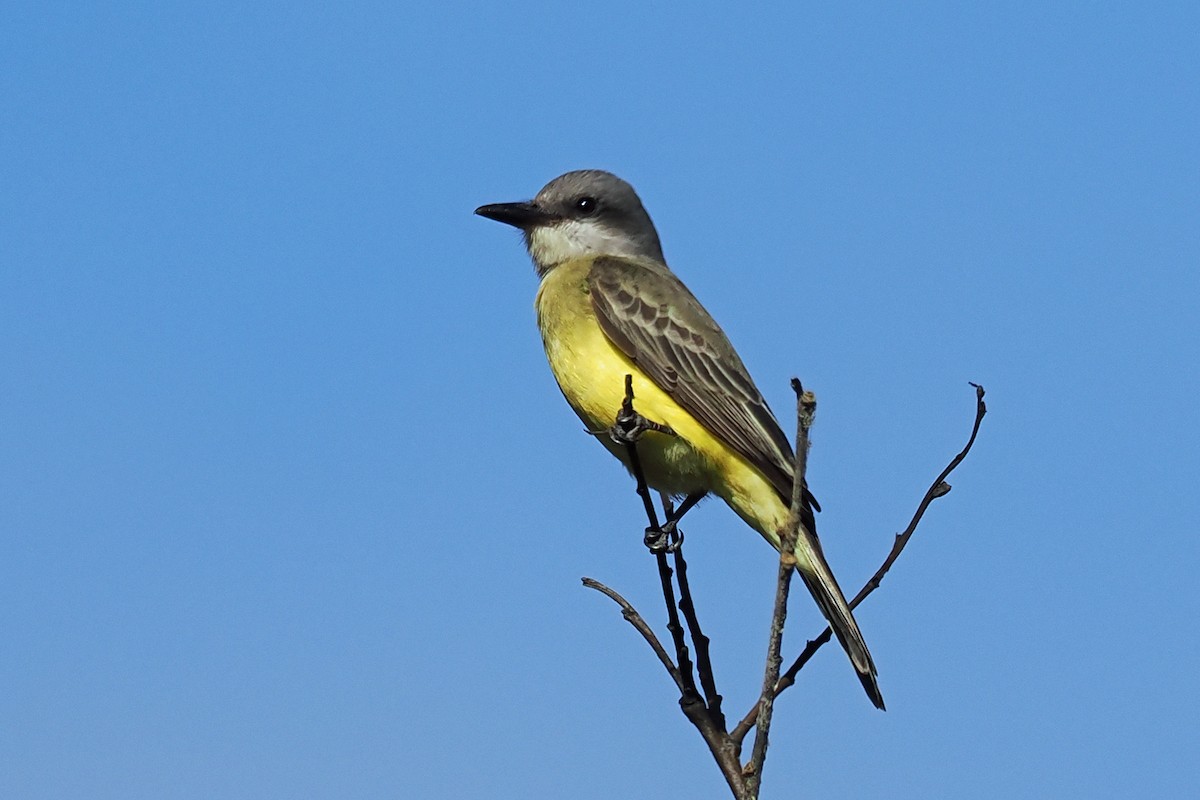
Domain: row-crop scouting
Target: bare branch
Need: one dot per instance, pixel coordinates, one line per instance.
(704, 668)
(690, 702)
(635, 619)
(938, 488)
(703, 712)
(806, 404)
(627, 429)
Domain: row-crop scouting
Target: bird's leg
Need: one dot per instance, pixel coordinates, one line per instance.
(671, 528)
(627, 429)
(630, 425)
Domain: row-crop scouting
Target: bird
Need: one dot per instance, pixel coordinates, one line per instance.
(608, 306)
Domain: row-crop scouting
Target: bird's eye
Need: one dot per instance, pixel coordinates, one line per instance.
(586, 205)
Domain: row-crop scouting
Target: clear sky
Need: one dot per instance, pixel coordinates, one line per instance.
(290, 506)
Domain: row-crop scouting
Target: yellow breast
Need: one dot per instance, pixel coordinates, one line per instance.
(591, 372)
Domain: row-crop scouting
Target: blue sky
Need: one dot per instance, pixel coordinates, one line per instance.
(292, 508)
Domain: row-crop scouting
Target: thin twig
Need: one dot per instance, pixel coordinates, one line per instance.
(673, 626)
(631, 425)
(704, 714)
(704, 668)
(690, 702)
(936, 489)
(632, 616)
(805, 409)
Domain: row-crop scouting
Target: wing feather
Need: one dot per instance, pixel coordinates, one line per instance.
(655, 320)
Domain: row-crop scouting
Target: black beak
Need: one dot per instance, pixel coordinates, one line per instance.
(520, 215)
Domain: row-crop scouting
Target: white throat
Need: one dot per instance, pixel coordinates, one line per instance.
(551, 245)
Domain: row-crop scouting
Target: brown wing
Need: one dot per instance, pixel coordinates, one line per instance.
(651, 316)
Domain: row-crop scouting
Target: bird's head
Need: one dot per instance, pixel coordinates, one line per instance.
(581, 213)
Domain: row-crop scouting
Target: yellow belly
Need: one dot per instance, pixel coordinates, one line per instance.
(591, 372)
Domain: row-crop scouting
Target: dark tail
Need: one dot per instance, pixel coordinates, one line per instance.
(825, 590)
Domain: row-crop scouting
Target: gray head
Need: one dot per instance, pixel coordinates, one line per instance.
(586, 212)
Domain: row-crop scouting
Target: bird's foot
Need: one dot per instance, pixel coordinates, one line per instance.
(666, 539)
(630, 426)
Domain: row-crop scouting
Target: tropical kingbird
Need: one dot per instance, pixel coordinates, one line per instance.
(608, 306)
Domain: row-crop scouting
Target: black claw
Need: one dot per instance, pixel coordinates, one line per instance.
(630, 426)
(676, 538)
(666, 539)
(657, 540)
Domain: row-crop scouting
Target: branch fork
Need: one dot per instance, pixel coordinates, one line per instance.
(702, 704)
